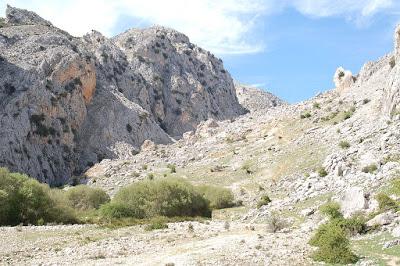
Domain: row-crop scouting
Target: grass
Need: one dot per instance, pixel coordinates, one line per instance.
(371, 248)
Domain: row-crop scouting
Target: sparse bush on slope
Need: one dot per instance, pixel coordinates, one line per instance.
(331, 238)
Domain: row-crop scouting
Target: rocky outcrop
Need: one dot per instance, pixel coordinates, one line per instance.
(17, 16)
(184, 83)
(67, 103)
(343, 79)
(254, 99)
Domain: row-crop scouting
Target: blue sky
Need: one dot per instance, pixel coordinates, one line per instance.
(288, 47)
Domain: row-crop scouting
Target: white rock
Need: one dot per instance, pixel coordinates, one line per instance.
(382, 219)
(396, 231)
(353, 200)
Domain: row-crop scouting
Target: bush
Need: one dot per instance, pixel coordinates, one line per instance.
(354, 225)
(317, 106)
(157, 223)
(344, 144)
(366, 100)
(395, 189)
(275, 224)
(369, 168)
(333, 245)
(322, 172)
(219, 198)
(386, 203)
(347, 115)
(116, 210)
(163, 197)
(305, 115)
(83, 197)
(25, 200)
(264, 200)
(172, 167)
(331, 209)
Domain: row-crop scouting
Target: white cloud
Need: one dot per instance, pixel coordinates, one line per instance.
(353, 9)
(221, 26)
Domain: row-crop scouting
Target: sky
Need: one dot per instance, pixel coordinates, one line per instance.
(288, 47)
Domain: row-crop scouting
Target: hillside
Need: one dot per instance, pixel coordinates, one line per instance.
(340, 147)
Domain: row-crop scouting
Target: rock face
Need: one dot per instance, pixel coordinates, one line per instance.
(254, 99)
(184, 83)
(67, 103)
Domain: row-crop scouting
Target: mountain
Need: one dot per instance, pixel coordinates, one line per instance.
(255, 99)
(68, 103)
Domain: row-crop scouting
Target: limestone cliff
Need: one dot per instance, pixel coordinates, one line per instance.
(66, 103)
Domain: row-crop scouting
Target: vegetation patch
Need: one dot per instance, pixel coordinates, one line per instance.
(369, 168)
(24, 200)
(164, 197)
(332, 239)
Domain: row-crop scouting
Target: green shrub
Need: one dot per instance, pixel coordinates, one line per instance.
(247, 167)
(386, 203)
(395, 188)
(331, 209)
(305, 115)
(369, 168)
(150, 176)
(116, 210)
(162, 197)
(264, 200)
(392, 62)
(172, 167)
(218, 197)
(157, 223)
(275, 223)
(347, 114)
(333, 245)
(2, 22)
(354, 225)
(83, 197)
(366, 100)
(25, 200)
(317, 106)
(322, 172)
(344, 144)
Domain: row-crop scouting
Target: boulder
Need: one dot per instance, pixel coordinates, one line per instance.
(382, 219)
(353, 200)
(396, 231)
(343, 79)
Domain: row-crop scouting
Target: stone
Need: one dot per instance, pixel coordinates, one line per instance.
(382, 219)
(353, 201)
(343, 79)
(396, 231)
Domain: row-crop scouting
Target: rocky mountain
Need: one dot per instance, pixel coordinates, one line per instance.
(68, 103)
(255, 99)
